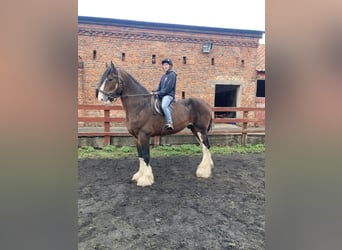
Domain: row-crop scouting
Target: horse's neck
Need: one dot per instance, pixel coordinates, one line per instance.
(134, 95)
(132, 86)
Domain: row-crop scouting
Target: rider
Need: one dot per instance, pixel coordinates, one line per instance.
(166, 90)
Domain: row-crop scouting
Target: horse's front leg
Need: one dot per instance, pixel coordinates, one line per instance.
(144, 176)
(138, 174)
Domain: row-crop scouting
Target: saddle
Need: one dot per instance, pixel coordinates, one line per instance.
(157, 105)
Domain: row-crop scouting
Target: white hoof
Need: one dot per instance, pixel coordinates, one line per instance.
(146, 179)
(204, 168)
(136, 176)
(211, 163)
(203, 171)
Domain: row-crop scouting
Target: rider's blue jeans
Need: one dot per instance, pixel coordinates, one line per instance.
(166, 101)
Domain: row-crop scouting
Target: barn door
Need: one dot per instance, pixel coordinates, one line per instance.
(226, 96)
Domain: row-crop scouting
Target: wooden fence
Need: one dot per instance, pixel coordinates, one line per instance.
(106, 119)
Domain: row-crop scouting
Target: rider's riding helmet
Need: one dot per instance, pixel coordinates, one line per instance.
(168, 61)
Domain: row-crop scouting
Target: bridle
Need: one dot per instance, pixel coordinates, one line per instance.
(111, 95)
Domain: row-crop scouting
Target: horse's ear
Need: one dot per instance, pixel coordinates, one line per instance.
(114, 70)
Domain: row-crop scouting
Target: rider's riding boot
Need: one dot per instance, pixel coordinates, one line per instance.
(169, 126)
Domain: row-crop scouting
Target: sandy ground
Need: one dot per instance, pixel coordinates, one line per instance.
(179, 211)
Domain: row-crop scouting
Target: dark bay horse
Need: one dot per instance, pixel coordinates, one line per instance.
(142, 122)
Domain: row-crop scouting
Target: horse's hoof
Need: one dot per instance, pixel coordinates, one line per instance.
(144, 181)
(136, 176)
(203, 173)
(204, 176)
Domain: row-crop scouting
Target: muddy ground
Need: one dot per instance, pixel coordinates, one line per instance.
(179, 211)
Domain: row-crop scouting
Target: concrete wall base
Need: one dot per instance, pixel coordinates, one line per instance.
(214, 140)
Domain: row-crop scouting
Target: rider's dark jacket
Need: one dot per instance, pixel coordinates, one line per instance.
(167, 84)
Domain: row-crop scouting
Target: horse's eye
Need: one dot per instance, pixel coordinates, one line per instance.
(110, 79)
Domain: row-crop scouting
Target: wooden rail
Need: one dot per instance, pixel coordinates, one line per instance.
(106, 120)
(244, 120)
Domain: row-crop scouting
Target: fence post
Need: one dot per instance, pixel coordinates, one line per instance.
(106, 127)
(244, 127)
(156, 140)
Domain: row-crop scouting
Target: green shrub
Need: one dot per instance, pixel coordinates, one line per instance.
(108, 148)
(164, 150)
(89, 149)
(126, 149)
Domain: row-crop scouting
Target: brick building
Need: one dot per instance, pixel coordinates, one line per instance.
(215, 64)
(260, 84)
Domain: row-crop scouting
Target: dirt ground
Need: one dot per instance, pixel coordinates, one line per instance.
(179, 211)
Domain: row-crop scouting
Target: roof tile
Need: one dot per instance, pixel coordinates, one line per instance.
(260, 66)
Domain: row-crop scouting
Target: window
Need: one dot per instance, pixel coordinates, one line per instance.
(260, 92)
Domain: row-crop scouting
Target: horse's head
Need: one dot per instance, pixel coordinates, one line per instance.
(110, 85)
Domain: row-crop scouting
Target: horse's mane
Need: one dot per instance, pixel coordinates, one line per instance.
(131, 78)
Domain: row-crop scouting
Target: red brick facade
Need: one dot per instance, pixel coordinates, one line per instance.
(132, 45)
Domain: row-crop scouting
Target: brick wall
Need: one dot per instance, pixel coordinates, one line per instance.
(196, 78)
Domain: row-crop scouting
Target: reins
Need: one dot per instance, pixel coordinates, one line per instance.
(109, 95)
(114, 98)
(135, 95)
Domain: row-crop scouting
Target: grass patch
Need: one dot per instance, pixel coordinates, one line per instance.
(159, 151)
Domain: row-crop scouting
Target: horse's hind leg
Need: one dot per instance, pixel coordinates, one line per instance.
(204, 168)
(144, 176)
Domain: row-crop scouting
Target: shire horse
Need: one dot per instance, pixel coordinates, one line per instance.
(143, 122)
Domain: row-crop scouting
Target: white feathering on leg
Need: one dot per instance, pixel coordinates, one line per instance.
(146, 178)
(204, 168)
(138, 174)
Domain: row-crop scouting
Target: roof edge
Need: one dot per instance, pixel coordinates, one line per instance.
(168, 27)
